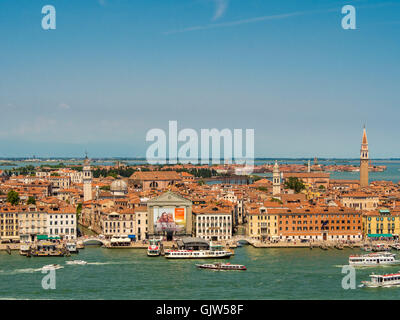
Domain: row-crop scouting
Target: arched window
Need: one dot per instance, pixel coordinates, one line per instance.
(154, 184)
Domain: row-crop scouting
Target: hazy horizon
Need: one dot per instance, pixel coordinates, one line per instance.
(113, 70)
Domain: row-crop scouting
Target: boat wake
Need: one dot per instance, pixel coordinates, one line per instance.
(109, 262)
(19, 271)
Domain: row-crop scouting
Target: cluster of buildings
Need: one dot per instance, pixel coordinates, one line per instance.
(28, 223)
(173, 203)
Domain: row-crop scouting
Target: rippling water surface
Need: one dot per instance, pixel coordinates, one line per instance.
(130, 274)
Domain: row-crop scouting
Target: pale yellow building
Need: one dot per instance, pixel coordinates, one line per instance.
(382, 224)
(360, 201)
(32, 222)
(261, 225)
(9, 224)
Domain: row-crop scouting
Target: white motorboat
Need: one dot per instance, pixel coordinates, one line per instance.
(80, 262)
(52, 267)
(385, 280)
(222, 266)
(373, 259)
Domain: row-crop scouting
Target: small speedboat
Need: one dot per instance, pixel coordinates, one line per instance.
(222, 266)
(52, 267)
(81, 262)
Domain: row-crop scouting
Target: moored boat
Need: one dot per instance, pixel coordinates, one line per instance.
(24, 249)
(154, 248)
(47, 249)
(380, 247)
(222, 266)
(72, 247)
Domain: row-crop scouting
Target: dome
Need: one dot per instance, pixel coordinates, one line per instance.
(119, 185)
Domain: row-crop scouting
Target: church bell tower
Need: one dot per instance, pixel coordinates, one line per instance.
(276, 180)
(364, 161)
(87, 180)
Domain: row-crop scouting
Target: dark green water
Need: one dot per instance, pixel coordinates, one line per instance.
(130, 274)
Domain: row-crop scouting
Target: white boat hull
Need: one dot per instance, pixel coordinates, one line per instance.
(199, 255)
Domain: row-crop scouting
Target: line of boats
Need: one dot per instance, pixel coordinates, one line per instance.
(49, 249)
(155, 249)
(377, 259)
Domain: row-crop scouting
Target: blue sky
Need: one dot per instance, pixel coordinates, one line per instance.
(114, 69)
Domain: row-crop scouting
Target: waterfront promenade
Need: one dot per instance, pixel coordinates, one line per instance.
(229, 243)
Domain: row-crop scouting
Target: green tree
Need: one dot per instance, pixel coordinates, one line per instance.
(13, 197)
(31, 200)
(295, 184)
(276, 200)
(78, 211)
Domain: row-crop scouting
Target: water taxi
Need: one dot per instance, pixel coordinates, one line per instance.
(154, 248)
(373, 259)
(80, 262)
(52, 267)
(385, 280)
(222, 266)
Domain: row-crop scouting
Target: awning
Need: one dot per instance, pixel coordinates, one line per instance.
(42, 237)
(120, 240)
(377, 235)
(131, 236)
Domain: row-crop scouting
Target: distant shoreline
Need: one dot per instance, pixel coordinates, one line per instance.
(72, 159)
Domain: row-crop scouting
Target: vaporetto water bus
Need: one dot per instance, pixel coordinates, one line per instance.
(197, 254)
(385, 280)
(215, 251)
(154, 248)
(374, 259)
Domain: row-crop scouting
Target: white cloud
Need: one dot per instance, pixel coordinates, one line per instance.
(220, 8)
(265, 18)
(238, 22)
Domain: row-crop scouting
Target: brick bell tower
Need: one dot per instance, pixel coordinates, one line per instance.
(364, 161)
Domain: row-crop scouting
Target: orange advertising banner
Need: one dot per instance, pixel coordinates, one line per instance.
(179, 215)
